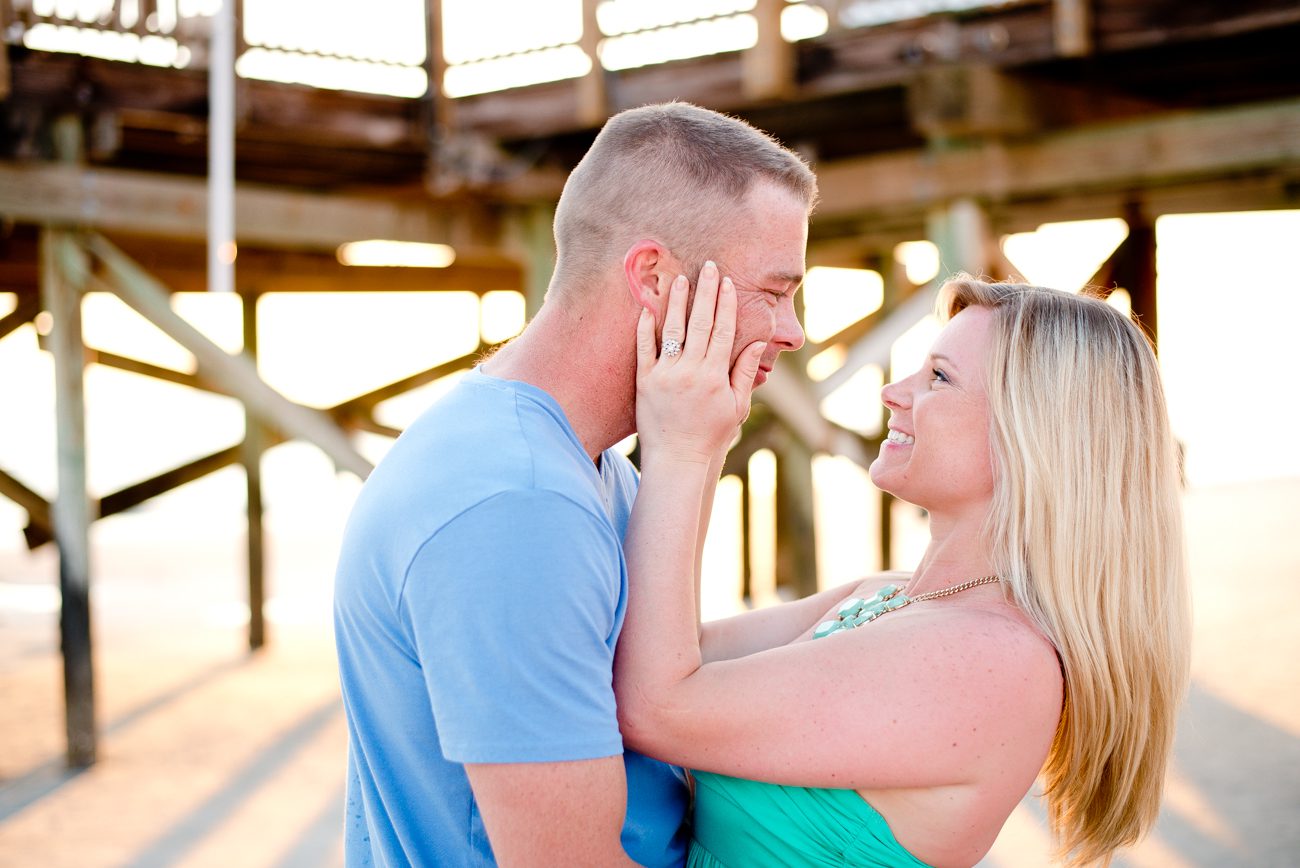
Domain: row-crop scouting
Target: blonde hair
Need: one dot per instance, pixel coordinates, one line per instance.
(674, 172)
(1086, 526)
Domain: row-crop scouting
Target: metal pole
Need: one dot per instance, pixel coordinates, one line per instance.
(221, 150)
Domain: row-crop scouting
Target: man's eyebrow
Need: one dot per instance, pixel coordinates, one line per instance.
(789, 277)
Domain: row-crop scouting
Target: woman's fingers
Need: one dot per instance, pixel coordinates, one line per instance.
(723, 336)
(645, 344)
(702, 311)
(744, 372)
(674, 331)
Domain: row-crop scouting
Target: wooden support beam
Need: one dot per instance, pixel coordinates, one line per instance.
(37, 507)
(353, 413)
(961, 232)
(768, 68)
(174, 207)
(1132, 268)
(874, 347)
(443, 107)
(148, 369)
(236, 373)
(365, 402)
(250, 455)
(26, 310)
(534, 234)
(593, 99)
(1072, 27)
(796, 528)
(61, 295)
(1184, 147)
(792, 399)
(6, 80)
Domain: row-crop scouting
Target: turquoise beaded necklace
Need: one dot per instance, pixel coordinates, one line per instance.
(857, 611)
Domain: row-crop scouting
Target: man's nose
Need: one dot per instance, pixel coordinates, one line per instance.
(788, 334)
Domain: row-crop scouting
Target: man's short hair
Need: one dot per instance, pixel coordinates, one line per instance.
(673, 172)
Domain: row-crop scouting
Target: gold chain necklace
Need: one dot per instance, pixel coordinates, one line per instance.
(857, 611)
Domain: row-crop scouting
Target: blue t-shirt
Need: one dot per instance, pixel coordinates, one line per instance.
(479, 596)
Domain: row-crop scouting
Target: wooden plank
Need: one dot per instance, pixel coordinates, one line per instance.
(1178, 147)
(61, 294)
(593, 100)
(179, 265)
(791, 398)
(365, 402)
(157, 372)
(1072, 21)
(768, 69)
(796, 527)
(236, 373)
(37, 507)
(250, 455)
(24, 312)
(175, 207)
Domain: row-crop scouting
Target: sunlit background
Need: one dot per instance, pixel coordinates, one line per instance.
(1225, 281)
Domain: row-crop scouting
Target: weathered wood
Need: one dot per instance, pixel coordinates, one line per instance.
(796, 529)
(534, 235)
(173, 207)
(37, 507)
(179, 265)
(1177, 147)
(353, 413)
(24, 312)
(444, 108)
(148, 369)
(61, 294)
(6, 80)
(1072, 20)
(1132, 268)
(593, 101)
(768, 69)
(365, 402)
(961, 232)
(792, 399)
(236, 373)
(250, 455)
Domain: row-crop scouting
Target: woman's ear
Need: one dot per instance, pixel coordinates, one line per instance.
(646, 268)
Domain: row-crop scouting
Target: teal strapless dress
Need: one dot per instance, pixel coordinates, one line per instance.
(748, 824)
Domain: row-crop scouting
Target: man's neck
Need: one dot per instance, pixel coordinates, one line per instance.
(586, 361)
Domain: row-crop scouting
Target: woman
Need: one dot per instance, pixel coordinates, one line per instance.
(899, 720)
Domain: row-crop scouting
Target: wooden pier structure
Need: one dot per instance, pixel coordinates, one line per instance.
(960, 123)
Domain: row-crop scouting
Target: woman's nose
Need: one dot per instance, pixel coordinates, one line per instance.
(894, 396)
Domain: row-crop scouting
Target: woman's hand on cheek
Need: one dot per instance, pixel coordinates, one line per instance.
(690, 399)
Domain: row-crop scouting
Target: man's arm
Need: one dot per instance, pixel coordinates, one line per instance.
(563, 813)
(512, 611)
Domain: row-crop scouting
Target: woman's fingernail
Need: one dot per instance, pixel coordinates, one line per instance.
(679, 280)
(727, 284)
(709, 265)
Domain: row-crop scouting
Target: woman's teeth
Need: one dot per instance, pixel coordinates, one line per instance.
(900, 438)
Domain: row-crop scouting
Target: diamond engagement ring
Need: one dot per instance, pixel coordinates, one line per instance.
(672, 347)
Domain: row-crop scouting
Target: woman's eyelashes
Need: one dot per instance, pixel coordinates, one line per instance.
(938, 376)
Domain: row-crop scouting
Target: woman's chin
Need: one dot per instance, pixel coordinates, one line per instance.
(880, 477)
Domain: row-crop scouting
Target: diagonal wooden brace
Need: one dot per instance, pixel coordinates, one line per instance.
(236, 374)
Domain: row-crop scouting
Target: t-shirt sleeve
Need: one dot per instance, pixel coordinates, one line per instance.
(512, 607)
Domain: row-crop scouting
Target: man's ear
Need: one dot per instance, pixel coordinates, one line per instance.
(647, 269)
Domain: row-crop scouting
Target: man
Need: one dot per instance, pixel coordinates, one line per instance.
(481, 585)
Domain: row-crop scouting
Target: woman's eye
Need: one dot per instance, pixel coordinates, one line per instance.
(938, 376)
